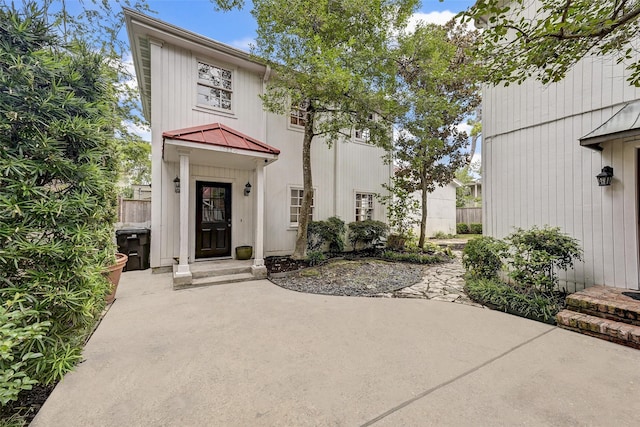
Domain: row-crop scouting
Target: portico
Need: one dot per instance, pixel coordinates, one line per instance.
(217, 209)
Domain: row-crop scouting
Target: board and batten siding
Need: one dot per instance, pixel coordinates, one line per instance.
(536, 173)
(338, 171)
(173, 80)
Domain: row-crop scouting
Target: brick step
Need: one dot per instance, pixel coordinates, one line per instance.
(610, 303)
(215, 280)
(606, 329)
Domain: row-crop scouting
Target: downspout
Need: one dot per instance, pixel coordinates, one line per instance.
(336, 178)
(265, 79)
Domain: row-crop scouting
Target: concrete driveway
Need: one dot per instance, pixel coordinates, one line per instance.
(252, 354)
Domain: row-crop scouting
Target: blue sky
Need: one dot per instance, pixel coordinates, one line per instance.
(237, 28)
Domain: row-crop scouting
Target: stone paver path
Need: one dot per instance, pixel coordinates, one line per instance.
(441, 282)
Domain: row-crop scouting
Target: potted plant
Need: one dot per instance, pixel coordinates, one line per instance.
(244, 252)
(113, 274)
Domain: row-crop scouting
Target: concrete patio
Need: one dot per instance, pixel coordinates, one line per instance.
(252, 353)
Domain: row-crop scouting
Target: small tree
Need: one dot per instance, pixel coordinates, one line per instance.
(440, 88)
(330, 62)
(402, 207)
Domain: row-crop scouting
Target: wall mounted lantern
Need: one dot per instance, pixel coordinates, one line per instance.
(176, 183)
(604, 177)
(247, 189)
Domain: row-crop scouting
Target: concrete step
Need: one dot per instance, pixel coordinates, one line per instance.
(606, 329)
(215, 280)
(620, 305)
(220, 271)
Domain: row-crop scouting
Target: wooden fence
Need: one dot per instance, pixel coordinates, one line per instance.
(469, 215)
(134, 211)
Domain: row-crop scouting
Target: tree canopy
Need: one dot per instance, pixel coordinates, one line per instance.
(331, 60)
(545, 38)
(439, 80)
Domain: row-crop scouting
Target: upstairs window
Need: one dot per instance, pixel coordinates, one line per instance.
(214, 86)
(364, 206)
(298, 116)
(363, 134)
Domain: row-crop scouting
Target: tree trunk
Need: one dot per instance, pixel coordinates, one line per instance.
(300, 251)
(423, 218)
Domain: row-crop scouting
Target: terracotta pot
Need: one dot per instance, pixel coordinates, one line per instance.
(114, 273)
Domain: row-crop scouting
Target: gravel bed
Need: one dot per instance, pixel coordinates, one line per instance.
(352, 278)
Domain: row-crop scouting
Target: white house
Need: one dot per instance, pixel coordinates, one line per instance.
(543, 146)
(238, 168)
(441, 210)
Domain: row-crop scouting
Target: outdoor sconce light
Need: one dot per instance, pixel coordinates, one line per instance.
(176, 183)
(604, 177)
(247, 189)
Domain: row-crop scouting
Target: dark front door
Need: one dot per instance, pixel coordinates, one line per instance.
(213, 219)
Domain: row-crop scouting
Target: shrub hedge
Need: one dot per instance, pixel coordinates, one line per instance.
(58, 202)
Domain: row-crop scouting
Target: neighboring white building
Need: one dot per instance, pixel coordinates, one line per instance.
(239, 167)
(543, 146)
(441, 210)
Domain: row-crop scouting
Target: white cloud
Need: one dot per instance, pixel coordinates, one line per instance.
(464, 127)
(243, 44)
(142, 131)
(439, 18)
(477, 157)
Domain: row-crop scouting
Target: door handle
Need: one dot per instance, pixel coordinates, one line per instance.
(204, 230)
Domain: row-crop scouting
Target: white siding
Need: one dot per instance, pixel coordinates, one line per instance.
(536, 173)
(338, 172)
(441, 211)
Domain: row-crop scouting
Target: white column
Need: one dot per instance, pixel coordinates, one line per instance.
(183, 265)
(258, 269)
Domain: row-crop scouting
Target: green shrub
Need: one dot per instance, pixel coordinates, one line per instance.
(396, 242)
(462, 228)
(59, 167)
(18, 333)
(330, 232)
(531, 304)
(315, 257)
(475, 228)
(482, 257)
(442, 235)
(537, 254)
(367, 233)
(415, 257)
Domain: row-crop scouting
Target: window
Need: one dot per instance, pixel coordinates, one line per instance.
(298, 116)
(364, 133)
(214, 86)
(364, 206)
(296, 204)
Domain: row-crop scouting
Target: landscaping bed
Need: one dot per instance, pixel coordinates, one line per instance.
(360, 277)
(23, 411)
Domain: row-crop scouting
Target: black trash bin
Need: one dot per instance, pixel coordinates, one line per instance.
(136, 244)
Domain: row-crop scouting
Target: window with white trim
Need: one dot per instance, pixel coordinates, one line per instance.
(363, 134)
(364, 206)
(298, 116)
(296, 205)
(214, 86)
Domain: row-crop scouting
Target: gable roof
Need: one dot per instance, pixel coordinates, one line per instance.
(144, 31)
(221, 136)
